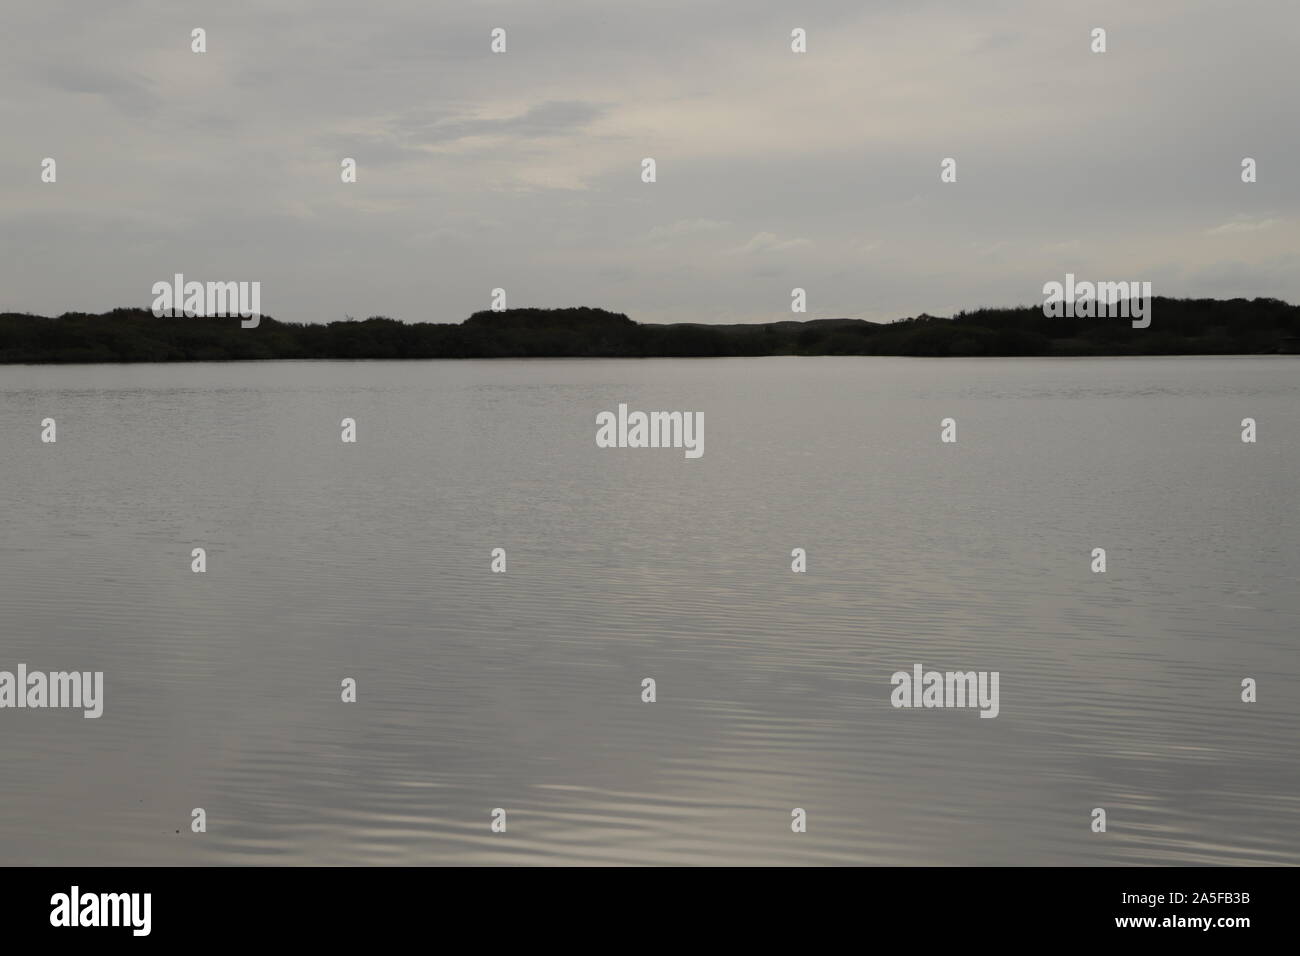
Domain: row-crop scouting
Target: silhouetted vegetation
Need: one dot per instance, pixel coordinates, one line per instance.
(1179, 326)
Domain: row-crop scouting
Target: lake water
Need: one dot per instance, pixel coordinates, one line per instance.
(522, 690)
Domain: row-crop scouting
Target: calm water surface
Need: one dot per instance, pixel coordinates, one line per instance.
(522, 690)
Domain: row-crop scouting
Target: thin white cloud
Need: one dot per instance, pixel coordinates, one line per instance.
(685, 227)
(768, 242)
(1242, 224)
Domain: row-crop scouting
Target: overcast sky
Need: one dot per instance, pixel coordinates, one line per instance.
(522, 170)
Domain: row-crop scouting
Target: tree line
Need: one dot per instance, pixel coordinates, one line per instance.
(1179, 327)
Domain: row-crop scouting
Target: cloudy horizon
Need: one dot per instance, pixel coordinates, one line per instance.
(522, 170)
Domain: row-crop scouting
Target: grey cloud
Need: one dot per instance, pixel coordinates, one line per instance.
(128, 91)
(819, 167)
